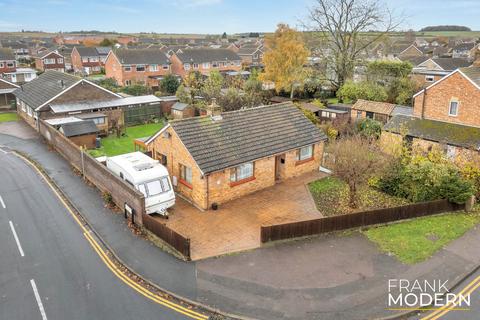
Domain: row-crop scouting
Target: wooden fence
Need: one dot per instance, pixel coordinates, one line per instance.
(353, 220)
(174, 239)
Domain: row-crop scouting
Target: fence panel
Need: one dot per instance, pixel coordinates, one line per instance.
(174, 239)
(355, 220)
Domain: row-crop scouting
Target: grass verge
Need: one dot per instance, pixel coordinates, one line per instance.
(416, 240)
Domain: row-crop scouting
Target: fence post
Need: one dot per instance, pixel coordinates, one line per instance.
(83, 163)
(470, 203)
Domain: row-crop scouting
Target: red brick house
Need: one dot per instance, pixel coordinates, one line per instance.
(7, 60)
(89, 60)
(204, 60)
(446, 114)
(50, 60)
(142, 66)
(433, 69)
(219, 157)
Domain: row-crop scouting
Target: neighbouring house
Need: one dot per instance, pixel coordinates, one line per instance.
(379, 111)
(464, 50)
(137, 66)
(182, 110)
(402, 50)
(222, 156)
(7, 60)
(50, 60)
(446, 114)
(89, 60)
(251, 55)
(55, 95)
(6, 92)
(82, 133)
(20, 75)
(205, 60)
(434, 69)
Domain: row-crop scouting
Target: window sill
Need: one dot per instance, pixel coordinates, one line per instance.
(185, 183)
(299, 162)
(239, 182)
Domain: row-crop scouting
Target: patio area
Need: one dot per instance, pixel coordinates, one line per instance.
(235, 226)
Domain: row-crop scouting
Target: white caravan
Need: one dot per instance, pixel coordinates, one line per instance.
(148, 176)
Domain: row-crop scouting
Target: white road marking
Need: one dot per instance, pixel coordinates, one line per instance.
(39, 300)
(3, 151)
(2, 203)
(16, 239)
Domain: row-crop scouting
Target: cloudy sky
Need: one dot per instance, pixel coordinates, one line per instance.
(205, 16)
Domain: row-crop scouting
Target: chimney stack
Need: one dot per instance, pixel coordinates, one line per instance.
(213, 109)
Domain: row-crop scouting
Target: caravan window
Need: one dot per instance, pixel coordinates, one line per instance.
(141, 188)
(154, 187)
(165, 184)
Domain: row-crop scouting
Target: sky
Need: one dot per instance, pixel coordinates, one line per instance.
(206, 16)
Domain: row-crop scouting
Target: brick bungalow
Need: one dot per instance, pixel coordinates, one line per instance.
(204, 60)
(446, 115)
(55, 95)
(131, 66)
(50, 60)
(219, 157)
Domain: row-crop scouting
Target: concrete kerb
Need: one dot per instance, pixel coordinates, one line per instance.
(197, 304)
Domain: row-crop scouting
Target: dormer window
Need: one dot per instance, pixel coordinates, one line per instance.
(453, 108)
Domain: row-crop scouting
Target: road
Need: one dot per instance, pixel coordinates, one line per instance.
(460, 312)
(48, 269)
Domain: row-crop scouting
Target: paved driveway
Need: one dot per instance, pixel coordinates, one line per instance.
(235, 226)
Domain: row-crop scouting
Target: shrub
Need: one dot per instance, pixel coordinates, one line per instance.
(421, 179)
(352, 91)
(369, 128)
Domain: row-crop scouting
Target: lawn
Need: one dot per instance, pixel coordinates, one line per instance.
(331, 197)
(112, 146)
(9, 116)
(335, 101)
(416, 240)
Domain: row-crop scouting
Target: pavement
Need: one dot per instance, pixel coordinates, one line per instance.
(327, 277)
(48, 269)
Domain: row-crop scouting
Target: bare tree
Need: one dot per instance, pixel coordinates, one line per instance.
(355, 160)
(344, 29)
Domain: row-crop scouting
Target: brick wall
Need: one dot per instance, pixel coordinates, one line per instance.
(437, 101)
(95, 172)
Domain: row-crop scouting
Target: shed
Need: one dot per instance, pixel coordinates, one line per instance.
(82, 133)
(182, 110)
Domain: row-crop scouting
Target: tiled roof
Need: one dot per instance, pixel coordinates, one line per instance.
(248, 49)
(464, 46)
(45, 87)
(414, 60)
(451, 64)
(473, 73)
(245, 135)
(141, 56)
(6, 54)
(438, 131)
(89, 52)
(207, 55)
(79, 128)
(374, 106)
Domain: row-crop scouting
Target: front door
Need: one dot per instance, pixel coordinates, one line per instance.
(279, 163)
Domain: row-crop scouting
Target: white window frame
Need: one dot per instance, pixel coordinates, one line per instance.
(450, 108)
(49, 61)
(242, 172)
(195, 66)
(128, 82)
(186, 174)
(429, 78)
(140, 66)
(186, 66)
(60, 60)
(165, 67)
(153, 67)
(206, 65)
(127, 68)
(305, 153)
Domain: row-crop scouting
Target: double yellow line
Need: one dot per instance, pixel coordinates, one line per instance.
(111, 265)
(468, 290)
